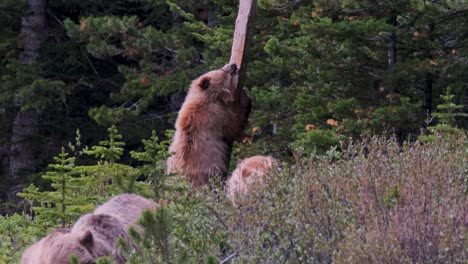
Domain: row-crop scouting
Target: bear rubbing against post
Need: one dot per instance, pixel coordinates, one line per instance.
(93, 236)
(213, 115)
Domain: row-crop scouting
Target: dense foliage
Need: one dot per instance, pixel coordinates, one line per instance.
(372, 202)
(319, 72)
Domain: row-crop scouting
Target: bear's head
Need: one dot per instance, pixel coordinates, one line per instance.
(249, 172)
(37, 252)
(217, 85)
(256, 165)
(61, 248)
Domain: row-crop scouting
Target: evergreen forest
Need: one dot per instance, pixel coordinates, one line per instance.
(363, 103)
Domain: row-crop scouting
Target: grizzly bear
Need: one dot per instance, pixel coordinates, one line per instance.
(93, 236)
(212, 117)
(248, 172)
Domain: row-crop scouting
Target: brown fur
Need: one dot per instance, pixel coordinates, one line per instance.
(212, 117)
(248, 172)
(34, 253)
(93, 235)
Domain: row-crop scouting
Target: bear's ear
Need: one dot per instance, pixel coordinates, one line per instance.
(247, 171)
(205, 83)
(87, 240)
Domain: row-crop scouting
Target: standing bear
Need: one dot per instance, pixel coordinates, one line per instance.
(93, 236)
(213, 115)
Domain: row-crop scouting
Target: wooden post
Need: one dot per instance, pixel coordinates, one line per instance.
(242, 37)
(240, 48)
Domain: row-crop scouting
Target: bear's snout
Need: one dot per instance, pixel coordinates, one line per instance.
(231, 68)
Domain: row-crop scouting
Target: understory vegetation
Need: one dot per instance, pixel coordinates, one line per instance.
(374, 201)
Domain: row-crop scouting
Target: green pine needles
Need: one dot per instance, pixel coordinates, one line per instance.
(67, 201)
(446, 114)
(74, 189)
(154, 158)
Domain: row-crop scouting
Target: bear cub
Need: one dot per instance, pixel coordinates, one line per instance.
(248, 172)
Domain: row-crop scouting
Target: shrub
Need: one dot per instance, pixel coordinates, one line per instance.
(16, 233)
(374, 202)
(380, 203)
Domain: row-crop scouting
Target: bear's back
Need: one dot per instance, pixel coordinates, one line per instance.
(127, 207)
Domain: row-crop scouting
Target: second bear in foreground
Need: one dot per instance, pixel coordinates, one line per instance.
(213, 115)
(93, 235)
(249, 172)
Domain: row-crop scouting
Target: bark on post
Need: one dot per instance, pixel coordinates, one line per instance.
(240, 48)
(25, 123)
(242, 38)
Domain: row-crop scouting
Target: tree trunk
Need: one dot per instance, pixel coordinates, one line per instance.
(392, 52)
(429, 76)
(428, 93)
(25, 123)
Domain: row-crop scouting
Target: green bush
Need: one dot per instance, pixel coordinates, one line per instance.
(16, 233)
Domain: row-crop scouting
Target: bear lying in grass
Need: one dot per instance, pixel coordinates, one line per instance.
(249, 172)
(93, 236)
(212, 117)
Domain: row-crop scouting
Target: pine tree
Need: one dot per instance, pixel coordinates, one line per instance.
(108, 151)
(155, 156)
(446, 114)
(155, 58)
(67, 201)
(76, 189)
(114, 177)
(382, 56)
